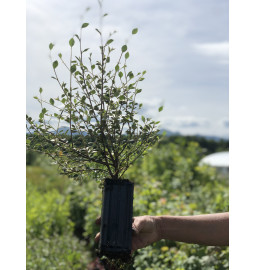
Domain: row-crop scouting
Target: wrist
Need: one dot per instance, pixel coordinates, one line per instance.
(158, 225)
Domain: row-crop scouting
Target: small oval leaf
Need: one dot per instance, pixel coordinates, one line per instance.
(160, 108)
(85, 25)
(73, 68)
(109, 41)
(124, 48)
(134, 31)
(51, 45)
(55, 64)
(71, 42)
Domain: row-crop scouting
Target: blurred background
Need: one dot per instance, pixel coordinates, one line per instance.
(183, 46)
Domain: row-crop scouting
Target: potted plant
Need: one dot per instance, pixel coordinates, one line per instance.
(104, 134)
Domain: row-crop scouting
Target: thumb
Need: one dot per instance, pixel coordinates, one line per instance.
(97, 237)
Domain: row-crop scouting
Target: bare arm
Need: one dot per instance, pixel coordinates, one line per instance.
(210, 230)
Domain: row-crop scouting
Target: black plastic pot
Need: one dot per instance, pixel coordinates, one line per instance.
(116, 219)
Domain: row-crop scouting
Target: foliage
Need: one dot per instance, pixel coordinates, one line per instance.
(99, 105)
(50, 241)
(47, 213)
(63, 252)
(45, 177)
(169, 181)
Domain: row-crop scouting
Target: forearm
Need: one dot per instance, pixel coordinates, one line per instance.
(211, 229)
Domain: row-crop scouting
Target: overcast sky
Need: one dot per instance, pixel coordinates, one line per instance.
(182, 44)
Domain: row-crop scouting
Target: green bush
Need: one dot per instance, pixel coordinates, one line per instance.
(47, 213)
(174, 184)
(46, 177)
(85, 207)
(63, 252)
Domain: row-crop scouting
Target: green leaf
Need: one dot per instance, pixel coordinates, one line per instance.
(122, 97)
(130, 75)
(143, 118)
(44, 110)
(124, 48)
(71, 42)
(126, 55)
(52, 101)
(160, 108)
(60, 55)
(51, 45)
(117, 67)
(73, 68)
(40, 90)
(85, 25)
(55, 64)
(109, 41)
(120, 74)
(134, 31)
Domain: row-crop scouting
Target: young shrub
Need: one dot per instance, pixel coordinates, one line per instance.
(105, 133)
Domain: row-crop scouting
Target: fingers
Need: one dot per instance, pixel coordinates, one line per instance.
(98, 221)
(97, 237)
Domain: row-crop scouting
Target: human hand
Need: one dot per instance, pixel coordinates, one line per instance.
(145, 231)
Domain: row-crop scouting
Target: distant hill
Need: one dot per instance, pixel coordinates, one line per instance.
(167, 132)
(66, 130)
(214, 138)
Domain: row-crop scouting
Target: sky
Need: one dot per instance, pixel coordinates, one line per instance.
(183, 46)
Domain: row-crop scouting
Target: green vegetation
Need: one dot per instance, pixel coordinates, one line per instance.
(98, 103)
(61, 214)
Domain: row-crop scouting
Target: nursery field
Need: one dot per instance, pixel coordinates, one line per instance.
(61, 213)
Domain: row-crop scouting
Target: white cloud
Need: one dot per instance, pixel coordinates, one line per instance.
(217, 50)
(187, 121)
